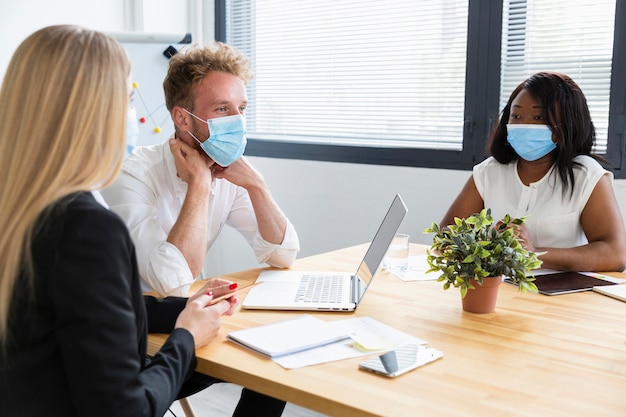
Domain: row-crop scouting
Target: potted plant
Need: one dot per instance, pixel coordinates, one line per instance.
(474, 251)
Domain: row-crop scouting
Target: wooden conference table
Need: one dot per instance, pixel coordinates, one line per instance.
(537, 355)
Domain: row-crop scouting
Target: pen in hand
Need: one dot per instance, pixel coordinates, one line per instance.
(230, 294)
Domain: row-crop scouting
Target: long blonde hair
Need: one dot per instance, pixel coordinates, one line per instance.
(63, 106)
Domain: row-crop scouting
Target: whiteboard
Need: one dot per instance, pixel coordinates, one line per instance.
(147, 52)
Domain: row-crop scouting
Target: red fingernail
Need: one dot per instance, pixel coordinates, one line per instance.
(210, 293)
(233, 286)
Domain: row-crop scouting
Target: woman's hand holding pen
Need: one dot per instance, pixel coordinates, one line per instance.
(201, 317)
(220, 288)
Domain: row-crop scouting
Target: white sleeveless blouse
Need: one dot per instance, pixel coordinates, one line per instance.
(553, 217)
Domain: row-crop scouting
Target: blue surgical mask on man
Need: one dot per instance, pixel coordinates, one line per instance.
(227, 138)
(530, 142)
(132, 131)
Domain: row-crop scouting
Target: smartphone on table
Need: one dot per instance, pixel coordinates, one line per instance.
(401, 360)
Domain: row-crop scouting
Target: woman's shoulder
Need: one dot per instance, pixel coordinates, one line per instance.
(78, 228)
(81, 210)
(587, 161)
(492, 165)
(81, 202)
(587, 173)
(587, 165)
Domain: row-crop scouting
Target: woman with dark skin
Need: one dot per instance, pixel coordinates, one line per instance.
(541, 167)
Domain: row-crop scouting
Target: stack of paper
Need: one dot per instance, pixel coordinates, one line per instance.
(289, 336)
(306, 340)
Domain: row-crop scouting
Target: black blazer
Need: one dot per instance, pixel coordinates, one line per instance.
(78, 332)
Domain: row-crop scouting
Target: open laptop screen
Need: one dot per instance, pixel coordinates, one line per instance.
(380, 244)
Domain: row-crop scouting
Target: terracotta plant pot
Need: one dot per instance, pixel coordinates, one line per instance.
(482, 299)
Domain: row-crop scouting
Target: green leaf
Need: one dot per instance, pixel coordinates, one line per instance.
(463, 290)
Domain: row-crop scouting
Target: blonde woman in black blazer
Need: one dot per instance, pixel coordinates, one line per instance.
(72, 316)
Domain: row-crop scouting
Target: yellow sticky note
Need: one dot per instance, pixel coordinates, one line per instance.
(366, 342)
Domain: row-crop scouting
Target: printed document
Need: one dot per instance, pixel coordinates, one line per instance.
(353, 337)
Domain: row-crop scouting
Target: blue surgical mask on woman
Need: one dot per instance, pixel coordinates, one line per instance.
(132, 131)
(530, 142)
(227, 138)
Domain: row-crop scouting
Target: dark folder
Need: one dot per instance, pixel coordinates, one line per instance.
(566, 282)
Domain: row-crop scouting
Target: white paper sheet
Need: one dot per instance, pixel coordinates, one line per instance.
(366, 330)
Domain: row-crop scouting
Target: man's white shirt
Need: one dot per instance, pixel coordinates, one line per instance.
(148, 195)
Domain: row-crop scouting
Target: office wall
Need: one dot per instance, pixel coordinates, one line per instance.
(331, 204)
(21, 18)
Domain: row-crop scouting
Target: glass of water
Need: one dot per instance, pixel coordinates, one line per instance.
(397, 257)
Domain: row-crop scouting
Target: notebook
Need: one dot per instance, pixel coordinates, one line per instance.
(291, 290)
(288, 336)
(615, 291)
(568, 282)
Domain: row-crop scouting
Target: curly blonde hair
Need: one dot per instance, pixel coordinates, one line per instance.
(188, 68)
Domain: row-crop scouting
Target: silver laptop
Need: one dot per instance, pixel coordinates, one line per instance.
(326, 290)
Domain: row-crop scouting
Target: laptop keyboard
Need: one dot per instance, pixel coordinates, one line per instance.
(320, 289)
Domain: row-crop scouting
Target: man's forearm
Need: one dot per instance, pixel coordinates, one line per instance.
(270, 218)
(189, 233)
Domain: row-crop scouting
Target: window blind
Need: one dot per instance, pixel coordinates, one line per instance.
(572, 37)
(362, 73)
